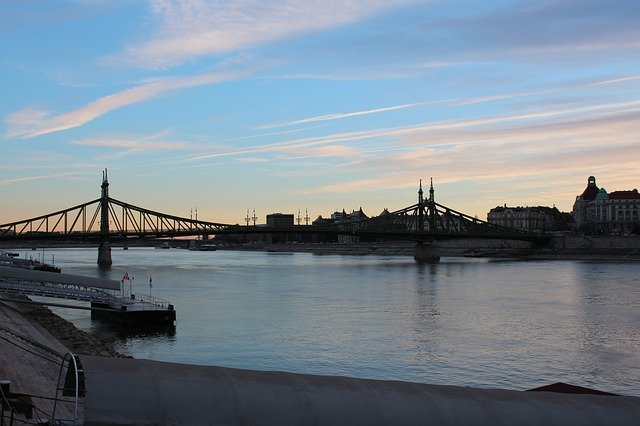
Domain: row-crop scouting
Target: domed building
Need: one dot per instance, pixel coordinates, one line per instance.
(597, 212)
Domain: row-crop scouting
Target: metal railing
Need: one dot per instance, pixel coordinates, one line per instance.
(73, 385)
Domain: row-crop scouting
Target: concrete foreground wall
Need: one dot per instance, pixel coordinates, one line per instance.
(136, 391)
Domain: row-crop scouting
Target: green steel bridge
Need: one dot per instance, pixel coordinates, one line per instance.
(107, 219)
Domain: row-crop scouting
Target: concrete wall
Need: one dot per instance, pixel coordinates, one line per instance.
(139, 391)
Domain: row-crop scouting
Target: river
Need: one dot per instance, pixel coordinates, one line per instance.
(466, 322)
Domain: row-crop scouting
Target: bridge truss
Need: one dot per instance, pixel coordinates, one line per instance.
(429, 221)
(125, 221)
(107, 218)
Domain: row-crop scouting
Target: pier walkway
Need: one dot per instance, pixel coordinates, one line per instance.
(62, 286)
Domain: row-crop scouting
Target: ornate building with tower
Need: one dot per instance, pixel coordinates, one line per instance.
(597, 212)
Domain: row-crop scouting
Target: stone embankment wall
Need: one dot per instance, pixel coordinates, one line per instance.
(563, 246)
(560, 247)
(595, 243)
(482, 247)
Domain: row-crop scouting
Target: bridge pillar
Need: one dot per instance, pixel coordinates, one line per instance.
(104, 249)
(104, 253)
(426, 252)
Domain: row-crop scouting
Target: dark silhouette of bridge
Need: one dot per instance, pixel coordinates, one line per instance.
(107, 219)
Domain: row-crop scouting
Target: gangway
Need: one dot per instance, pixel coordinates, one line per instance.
(103, 294)
(62, 286)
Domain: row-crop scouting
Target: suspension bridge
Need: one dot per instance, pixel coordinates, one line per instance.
(107, 219)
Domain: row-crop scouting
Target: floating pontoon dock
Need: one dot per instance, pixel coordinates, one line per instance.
(103, 294)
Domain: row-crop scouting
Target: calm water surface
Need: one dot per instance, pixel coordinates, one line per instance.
(467, 322)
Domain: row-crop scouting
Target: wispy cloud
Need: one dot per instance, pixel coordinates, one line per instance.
(330, 117)
(40, 177)
(155, 142)
(420, 134)
(462, 101)
(385, 72)
(188, 29)
(252, 160)
(134, 145)
(553, 27)
(325, 151)
(387, 181)
(32, 122)
(544, 149)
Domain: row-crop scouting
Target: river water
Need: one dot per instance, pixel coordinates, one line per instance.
(466, 322)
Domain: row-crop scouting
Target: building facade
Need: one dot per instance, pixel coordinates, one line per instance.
(341, 217)
(540, 219)
(280, 219)
(597, 212)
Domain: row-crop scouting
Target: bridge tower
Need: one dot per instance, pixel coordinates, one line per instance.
(426, 251)
(104, 249)
(420, 208)
(432, 207)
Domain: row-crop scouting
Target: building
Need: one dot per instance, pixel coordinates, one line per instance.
(280, 219)
(321, 221)
(341, 217)
(597, 212)
(539, 219)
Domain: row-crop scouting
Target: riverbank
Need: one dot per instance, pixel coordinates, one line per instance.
(565, 247)
(75, 340)
(449, 249)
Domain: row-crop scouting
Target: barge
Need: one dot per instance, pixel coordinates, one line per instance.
(135, 310)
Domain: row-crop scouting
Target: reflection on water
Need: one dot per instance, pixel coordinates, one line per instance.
(469, 322)
(158, 331)
(122, 337)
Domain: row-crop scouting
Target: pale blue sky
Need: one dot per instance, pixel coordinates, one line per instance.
(318, 105)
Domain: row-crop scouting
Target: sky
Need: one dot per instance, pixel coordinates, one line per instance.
(315, 106)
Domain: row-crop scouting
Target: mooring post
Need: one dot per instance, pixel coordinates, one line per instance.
(104, 249)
